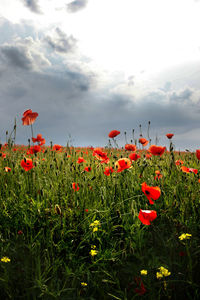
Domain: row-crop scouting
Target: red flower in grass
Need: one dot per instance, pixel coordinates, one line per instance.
(80, 160)
(3, 155)
(148, 156)
(143, 141)
(57, 147)
(33, 149)
(27, 164)
(130, 147)
(39, 139)
(29, 117)
(198, 154)
(113, 133)
(169, 135)
(75, 186)
(158, 175)
(147, 216)
(189, 170)
(108, 171)
(179, 162)
(88, 169)
(140, 290)
(7, 169)
(100, 155)
(122, 164)
(156, 150)
(152, 193)
(134, 156)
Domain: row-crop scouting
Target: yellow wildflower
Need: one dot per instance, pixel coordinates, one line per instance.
(184, 236)
(93, 252)
(95, 229)
(163, 273)
(95, 223)
(143, 272)
(159, 275)
(83, 283)
(5, 259)
(93, 247)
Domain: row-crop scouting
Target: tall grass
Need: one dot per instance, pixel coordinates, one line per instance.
(45, 227)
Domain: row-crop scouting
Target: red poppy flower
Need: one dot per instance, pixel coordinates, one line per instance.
(152, 193)
(140, 290)
(156, 150)
(147, 216)
(27, 164)
(3, 155)
(130, 147)
(100, 155)
(29, 117)
(80, 160)
(189, 170)
(33, 149)
(198, 154)
(134, 156)
(108, 171)
(7, 169)
(113, 133)
(87, 169)
(148, 156)
(179, 162)
(57, 147)
(169, 135)
(39, 139)
(182, 253)
(158, 175)
(75, 186)
(122, 164)
(143, 141)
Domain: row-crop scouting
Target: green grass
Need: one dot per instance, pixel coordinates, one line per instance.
(51, 256)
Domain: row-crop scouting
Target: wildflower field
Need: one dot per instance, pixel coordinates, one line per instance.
(99, 223)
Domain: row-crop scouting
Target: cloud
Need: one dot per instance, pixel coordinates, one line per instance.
(17, 57)
(76, 5)
(61, 42)
(32, 5)
(24, 54)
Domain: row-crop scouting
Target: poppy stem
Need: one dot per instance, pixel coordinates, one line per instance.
(32, 130)
(149, 123)
(133, 134)
(125, 137)
(140, 130)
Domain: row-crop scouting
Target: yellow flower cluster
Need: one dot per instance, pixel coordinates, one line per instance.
(84, 284)
(184, 236)
(162, 273)
(95, 225)
(5, 259)
(93, 252)
(143, 272)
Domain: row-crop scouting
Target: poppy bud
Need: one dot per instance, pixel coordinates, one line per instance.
(57, 209)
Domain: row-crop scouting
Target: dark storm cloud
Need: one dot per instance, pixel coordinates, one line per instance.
(23, 55)
(76, 5)
(17, 57)
(65, 107)
(32, 5)
(61, 43)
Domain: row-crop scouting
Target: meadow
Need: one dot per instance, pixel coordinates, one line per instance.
(99, 223)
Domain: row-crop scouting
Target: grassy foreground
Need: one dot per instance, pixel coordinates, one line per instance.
(60, 240)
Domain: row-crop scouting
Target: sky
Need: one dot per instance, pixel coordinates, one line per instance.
(91, 66)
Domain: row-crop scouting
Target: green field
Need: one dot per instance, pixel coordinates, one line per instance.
(60, 242)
